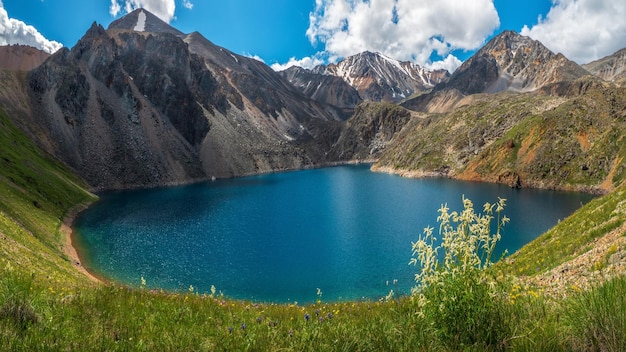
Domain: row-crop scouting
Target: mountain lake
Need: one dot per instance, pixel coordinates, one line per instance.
(279, 237)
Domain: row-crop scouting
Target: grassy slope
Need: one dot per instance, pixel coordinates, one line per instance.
(35, 193)
(571, 237)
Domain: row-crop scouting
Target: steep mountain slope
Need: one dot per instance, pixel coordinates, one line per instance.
(610, 68)
(571, 138)
(130, 108)
(369, 131)
(21, 57)
(374, 76)
(508, 62)
(326, 88)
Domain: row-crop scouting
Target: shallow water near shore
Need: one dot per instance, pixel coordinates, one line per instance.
(280, 237)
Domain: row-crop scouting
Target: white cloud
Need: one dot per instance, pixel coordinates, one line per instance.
(582, 30)
(188, 4)
(306, 62)
(13, 31)
(163, 9)
(410, 30)
(450, 63)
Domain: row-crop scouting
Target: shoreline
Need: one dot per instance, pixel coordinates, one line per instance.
(69, 248)
(594, 190)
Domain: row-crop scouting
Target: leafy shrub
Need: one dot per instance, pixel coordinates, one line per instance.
(455, 293)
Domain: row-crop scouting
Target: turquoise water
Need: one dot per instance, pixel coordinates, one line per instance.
(279, 237)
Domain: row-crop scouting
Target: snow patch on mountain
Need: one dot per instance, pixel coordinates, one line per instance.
(141, 22)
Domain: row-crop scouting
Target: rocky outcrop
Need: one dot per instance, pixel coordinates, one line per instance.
(512, 62)
(369, 131)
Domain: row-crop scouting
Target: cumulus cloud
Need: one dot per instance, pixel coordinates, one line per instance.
(450, 63)
(163, 9)
(13, 31)
(582, 30)
(410, 30)
(307, 62)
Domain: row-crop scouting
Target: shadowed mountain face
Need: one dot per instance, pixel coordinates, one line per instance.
(372, 76)
(142, 104)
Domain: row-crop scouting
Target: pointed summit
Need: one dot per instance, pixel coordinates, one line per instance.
(512, 62)
(142, 20)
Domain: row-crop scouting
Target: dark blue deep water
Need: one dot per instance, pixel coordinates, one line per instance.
(279, 237)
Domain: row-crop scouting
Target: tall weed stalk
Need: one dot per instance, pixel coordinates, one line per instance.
(465, 306)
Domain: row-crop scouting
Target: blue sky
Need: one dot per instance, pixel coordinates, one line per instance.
(284, 32)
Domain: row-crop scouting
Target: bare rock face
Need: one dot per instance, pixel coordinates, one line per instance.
(142, 104)
(21, 57)
(610, 68)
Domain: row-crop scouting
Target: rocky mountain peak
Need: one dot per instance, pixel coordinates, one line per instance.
(373, 76)
(380, 78)
(142, 20)
(512, 62)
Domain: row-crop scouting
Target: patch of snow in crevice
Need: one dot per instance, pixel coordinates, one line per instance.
(141, 22)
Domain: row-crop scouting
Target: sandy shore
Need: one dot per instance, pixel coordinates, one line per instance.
(68, 248)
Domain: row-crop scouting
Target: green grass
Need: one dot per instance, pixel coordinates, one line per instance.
(571, 237)
(35, 193)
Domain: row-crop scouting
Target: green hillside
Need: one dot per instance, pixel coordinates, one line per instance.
(573, 140)
(35, 193)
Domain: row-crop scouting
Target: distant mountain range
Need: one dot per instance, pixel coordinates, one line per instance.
(142, 104)
(372, 76)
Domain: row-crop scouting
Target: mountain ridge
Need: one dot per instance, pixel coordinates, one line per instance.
(374, 77)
